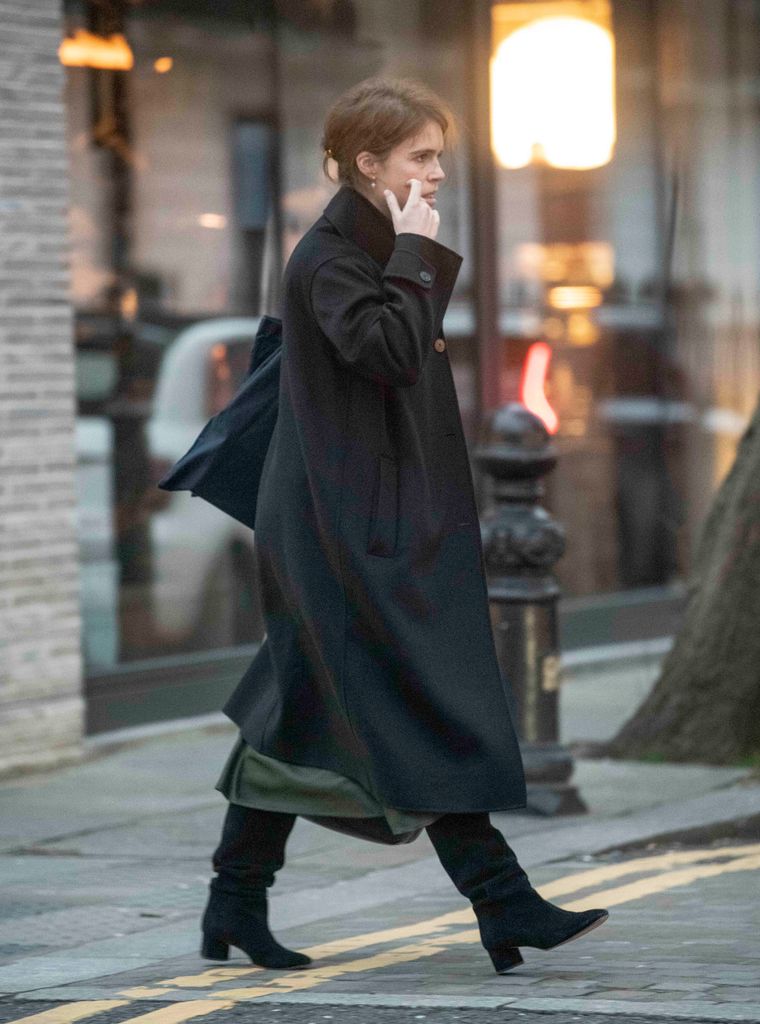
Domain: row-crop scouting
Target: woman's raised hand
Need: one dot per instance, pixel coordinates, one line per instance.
(417, 216)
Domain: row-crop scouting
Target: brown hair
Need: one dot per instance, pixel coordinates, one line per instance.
(378, 114)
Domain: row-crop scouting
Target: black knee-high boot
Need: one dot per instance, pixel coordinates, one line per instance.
(510, 912)
(251, 850)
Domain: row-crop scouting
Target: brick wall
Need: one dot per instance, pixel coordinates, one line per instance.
(41, 707)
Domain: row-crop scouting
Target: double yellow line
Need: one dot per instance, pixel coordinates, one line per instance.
(660, 873)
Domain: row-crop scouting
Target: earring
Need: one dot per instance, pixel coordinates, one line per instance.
(373, 183)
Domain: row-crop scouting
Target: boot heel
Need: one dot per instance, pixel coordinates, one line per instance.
(214, 948)
(504, 958)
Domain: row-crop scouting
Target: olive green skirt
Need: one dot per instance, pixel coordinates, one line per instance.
(255, 780)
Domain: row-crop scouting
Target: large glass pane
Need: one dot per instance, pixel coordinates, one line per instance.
(640, 273)
(708, 84)
(174, 222)
(320, 57)
(194, 173)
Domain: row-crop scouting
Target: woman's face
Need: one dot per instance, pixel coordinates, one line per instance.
(416, 157)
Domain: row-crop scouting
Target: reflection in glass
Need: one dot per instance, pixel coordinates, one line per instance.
(553, 93)
(194, 173)
(642, 277)
(174, 202)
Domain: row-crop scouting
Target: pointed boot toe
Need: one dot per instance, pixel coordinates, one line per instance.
(526, 919)
(588, 920)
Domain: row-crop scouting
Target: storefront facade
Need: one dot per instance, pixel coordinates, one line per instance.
(195, 166)
(194, 173)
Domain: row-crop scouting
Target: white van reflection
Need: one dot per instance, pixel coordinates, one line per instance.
(99, 571)
(204, 592)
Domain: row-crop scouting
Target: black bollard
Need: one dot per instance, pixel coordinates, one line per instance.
(521, 543)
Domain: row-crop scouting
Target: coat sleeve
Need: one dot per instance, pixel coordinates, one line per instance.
(383, 327)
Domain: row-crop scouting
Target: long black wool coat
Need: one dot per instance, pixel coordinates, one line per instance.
(378, 658)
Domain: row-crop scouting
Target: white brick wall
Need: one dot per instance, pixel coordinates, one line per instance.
(41, 706)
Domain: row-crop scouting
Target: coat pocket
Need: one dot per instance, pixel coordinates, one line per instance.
(383, 527)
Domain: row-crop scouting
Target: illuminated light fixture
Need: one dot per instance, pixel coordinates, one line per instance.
(216, 221)
(574, 296)
(558, 262)
(163, 64)
(553, 87)
(581, 330)
(86, 50)
(532, 393)
(129, 303)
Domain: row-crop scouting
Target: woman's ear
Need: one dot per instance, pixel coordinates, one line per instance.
(366, 163)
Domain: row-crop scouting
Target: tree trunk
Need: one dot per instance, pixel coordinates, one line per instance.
(706, 704)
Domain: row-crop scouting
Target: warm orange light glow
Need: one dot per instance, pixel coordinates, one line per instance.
(215, 221)
(129, 304)
(581, 330)
(566, 262)
(163, 64)
(532, 393)
(574, 296)
(553, 93)
(86, 50)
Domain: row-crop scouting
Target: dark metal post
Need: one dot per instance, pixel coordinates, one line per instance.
(521, 543)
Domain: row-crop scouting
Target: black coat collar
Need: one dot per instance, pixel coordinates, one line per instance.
(362, 223)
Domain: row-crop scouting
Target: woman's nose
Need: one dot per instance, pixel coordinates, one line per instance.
(437, 174)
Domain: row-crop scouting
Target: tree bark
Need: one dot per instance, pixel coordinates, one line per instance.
(705, 706)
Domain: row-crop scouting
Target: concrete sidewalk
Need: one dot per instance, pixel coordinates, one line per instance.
(104, 867)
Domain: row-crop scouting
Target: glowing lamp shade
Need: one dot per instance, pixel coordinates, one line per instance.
(84, 49)
(553, 94)
(532, 393)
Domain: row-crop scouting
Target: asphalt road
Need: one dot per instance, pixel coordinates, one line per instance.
(263, 1014)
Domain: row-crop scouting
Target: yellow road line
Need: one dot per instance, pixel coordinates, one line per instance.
(659, 883)
(143, 991)
(298, 981)
(306, 979)
(301, 980)
(584, 879)
(68, 1012)
(174, 1013)
(333, 948)
(559, 887)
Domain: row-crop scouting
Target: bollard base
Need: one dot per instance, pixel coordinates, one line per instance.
(548, 769)
(550, 799)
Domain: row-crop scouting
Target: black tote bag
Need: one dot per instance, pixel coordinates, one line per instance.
(223, 465)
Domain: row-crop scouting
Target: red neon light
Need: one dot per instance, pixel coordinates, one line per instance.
(532, 384)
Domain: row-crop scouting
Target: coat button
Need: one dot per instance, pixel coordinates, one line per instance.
(440, 344)
(425, 276)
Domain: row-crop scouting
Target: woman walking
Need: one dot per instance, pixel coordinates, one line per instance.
(376, 697)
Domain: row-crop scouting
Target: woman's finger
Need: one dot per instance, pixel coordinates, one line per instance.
(392, 202)
(415, 190)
